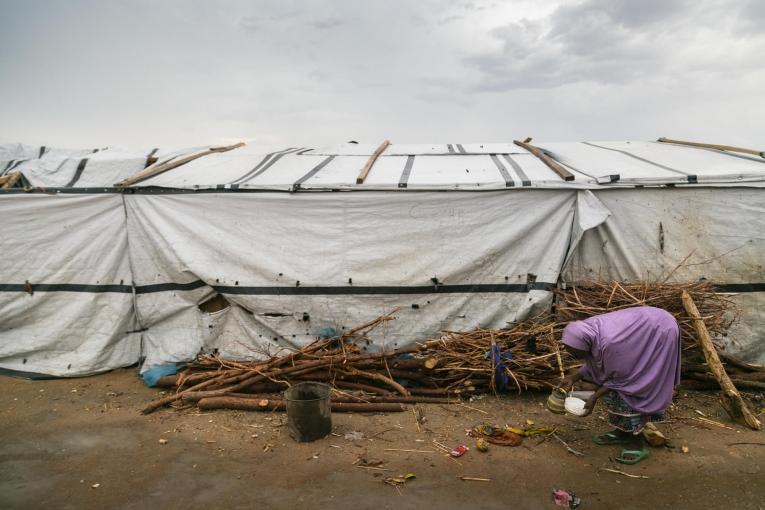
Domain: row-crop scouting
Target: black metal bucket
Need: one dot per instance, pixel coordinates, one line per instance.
(309, 413)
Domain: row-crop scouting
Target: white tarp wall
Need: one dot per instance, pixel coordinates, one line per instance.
(292, 264)
(692, 233)
(253, 222)
(75, 315)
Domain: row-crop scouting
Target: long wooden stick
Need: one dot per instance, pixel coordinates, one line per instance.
(729, 148)
(156, 170)
(376, 377)
(738, 382)
(547, 160)
(249, 404)
(371, 161)
(473, 479)
(623, 473)
(349, 398)
(401, 400)
(731, 399)
(361, 387)
(732, 360)
(13, 178)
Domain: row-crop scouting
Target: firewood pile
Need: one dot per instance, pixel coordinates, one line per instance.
(595, 298)
(524, 356)
(435, 371)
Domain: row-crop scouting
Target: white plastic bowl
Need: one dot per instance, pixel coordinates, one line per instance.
(574, 406)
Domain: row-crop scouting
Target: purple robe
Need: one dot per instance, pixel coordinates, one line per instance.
(634, 351)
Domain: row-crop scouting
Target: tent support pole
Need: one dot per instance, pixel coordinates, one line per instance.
(547, 160)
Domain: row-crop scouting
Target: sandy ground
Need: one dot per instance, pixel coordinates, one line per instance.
(82, 444)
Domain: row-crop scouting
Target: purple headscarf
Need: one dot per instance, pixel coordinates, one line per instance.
(635, 352)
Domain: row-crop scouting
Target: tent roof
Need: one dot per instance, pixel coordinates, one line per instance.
(453, 166)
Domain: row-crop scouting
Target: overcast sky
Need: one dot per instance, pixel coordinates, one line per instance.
(80, 73)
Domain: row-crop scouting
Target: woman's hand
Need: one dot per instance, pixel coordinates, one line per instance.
(570, 380)
(590, 404)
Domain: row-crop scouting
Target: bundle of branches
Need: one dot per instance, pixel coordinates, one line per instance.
(524, 356)
(597, 297)
(716, 310)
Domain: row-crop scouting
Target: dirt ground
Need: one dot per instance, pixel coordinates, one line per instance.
(82, 444)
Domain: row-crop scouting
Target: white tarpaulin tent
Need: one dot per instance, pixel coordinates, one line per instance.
(456, 236)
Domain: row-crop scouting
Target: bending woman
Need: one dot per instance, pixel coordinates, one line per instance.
(633, 355)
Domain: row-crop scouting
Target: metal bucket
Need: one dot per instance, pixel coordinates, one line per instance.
(309, 414)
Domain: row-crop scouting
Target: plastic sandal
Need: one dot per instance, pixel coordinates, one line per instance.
(609, 438)
(636, 456)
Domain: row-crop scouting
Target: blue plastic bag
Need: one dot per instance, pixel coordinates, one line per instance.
(151, 376)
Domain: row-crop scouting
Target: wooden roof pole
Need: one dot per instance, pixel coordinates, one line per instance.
(156, 170)
(371, 161)
(547, 160)
(10, 180)
(729, 148)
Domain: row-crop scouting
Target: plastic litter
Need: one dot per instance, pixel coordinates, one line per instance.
(508, 436)
(151, 376)
(399, 480)
(498, 358)
(566, 499)
(502, 436)
(459, 451)
(325, 333)
(530, 431)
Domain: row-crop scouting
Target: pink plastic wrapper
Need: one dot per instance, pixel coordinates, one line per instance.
(565, 499)
(459, 451)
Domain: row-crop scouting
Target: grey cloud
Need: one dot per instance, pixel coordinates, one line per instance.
(752, 16)
(328, 23)
(250, 23)
(289, 19)
(255, 22)
(628, 13)
(87, 72)
(450, 19)
(473, 6)
(611, 42)
(418, 20)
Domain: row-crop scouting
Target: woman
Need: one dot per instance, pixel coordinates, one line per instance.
(633, 355)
